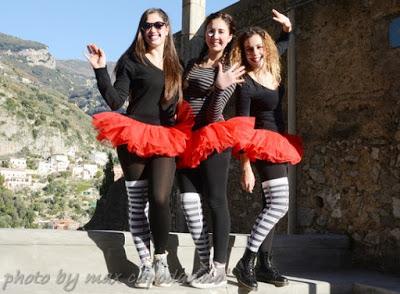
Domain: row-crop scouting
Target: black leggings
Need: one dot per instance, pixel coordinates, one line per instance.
(268, 171)
(211, 179)
(159, 171)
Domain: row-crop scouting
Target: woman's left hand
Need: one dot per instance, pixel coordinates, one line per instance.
(283, 20)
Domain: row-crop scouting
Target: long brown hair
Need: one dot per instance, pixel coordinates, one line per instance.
(271, 54)
(171, 64)
(228, 19)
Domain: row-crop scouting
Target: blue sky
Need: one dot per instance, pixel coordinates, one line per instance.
(67, 26)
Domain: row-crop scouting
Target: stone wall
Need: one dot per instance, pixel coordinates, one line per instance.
(348, 113)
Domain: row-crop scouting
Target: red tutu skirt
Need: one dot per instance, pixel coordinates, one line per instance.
(215, 137)
(184, 118)
(143, 139)
(261, 144)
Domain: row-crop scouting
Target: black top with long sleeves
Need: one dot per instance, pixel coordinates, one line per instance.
(144, 85)
(253, 99)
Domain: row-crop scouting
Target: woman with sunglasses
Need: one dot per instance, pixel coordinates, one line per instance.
(150, 74)
(260, 96)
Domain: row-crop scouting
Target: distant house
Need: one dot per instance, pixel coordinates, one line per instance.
(77, 171)
(90, 171)
(71, 152)
(59, 162)
(85, 171)
(18, 163)
(100, 158)
(44, 224)
(44, 168)
(91, 193)
(65, 224)
(16, 179)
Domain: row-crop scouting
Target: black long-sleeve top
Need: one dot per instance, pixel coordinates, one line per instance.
(282, 43)
(144, 85)
(253, 99)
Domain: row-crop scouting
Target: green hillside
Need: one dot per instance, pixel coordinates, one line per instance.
(12, 43)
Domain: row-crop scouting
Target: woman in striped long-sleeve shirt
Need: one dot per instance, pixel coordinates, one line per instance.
(209, 83)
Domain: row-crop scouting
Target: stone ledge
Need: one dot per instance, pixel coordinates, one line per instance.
(68, 237)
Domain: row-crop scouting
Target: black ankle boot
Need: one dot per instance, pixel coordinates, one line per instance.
(267, 273)
(244, 270)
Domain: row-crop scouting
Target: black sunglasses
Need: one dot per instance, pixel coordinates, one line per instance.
(148, 25)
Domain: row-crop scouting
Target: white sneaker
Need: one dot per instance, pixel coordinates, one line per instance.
(146, 277)
(162, 274)
(213, 278)
(203, 269)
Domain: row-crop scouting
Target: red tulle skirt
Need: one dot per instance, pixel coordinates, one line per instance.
(261, 144)
(215, 137)
(143, 139)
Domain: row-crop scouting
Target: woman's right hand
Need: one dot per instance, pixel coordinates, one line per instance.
(96, 56)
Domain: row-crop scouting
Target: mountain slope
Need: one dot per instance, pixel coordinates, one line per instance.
(37, 116)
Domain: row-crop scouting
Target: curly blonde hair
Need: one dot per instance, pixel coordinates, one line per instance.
(271, 55)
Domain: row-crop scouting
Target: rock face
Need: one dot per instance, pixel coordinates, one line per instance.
(30, 52)
(348, 113)
(40, 57)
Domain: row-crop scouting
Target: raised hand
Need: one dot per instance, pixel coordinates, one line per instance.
(95, 56)
(229, 77)
(283, 20)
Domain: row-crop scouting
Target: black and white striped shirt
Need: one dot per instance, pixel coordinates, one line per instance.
(207, 102)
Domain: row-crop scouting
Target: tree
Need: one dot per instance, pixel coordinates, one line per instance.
(14, 212)
(31, 163)
(108, 178)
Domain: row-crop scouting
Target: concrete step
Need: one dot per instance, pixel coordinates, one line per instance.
(79, 285)
(316, 283)
(356, 281)
(368, 289)
(291, 252)
(317, 251)
(68, 258)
